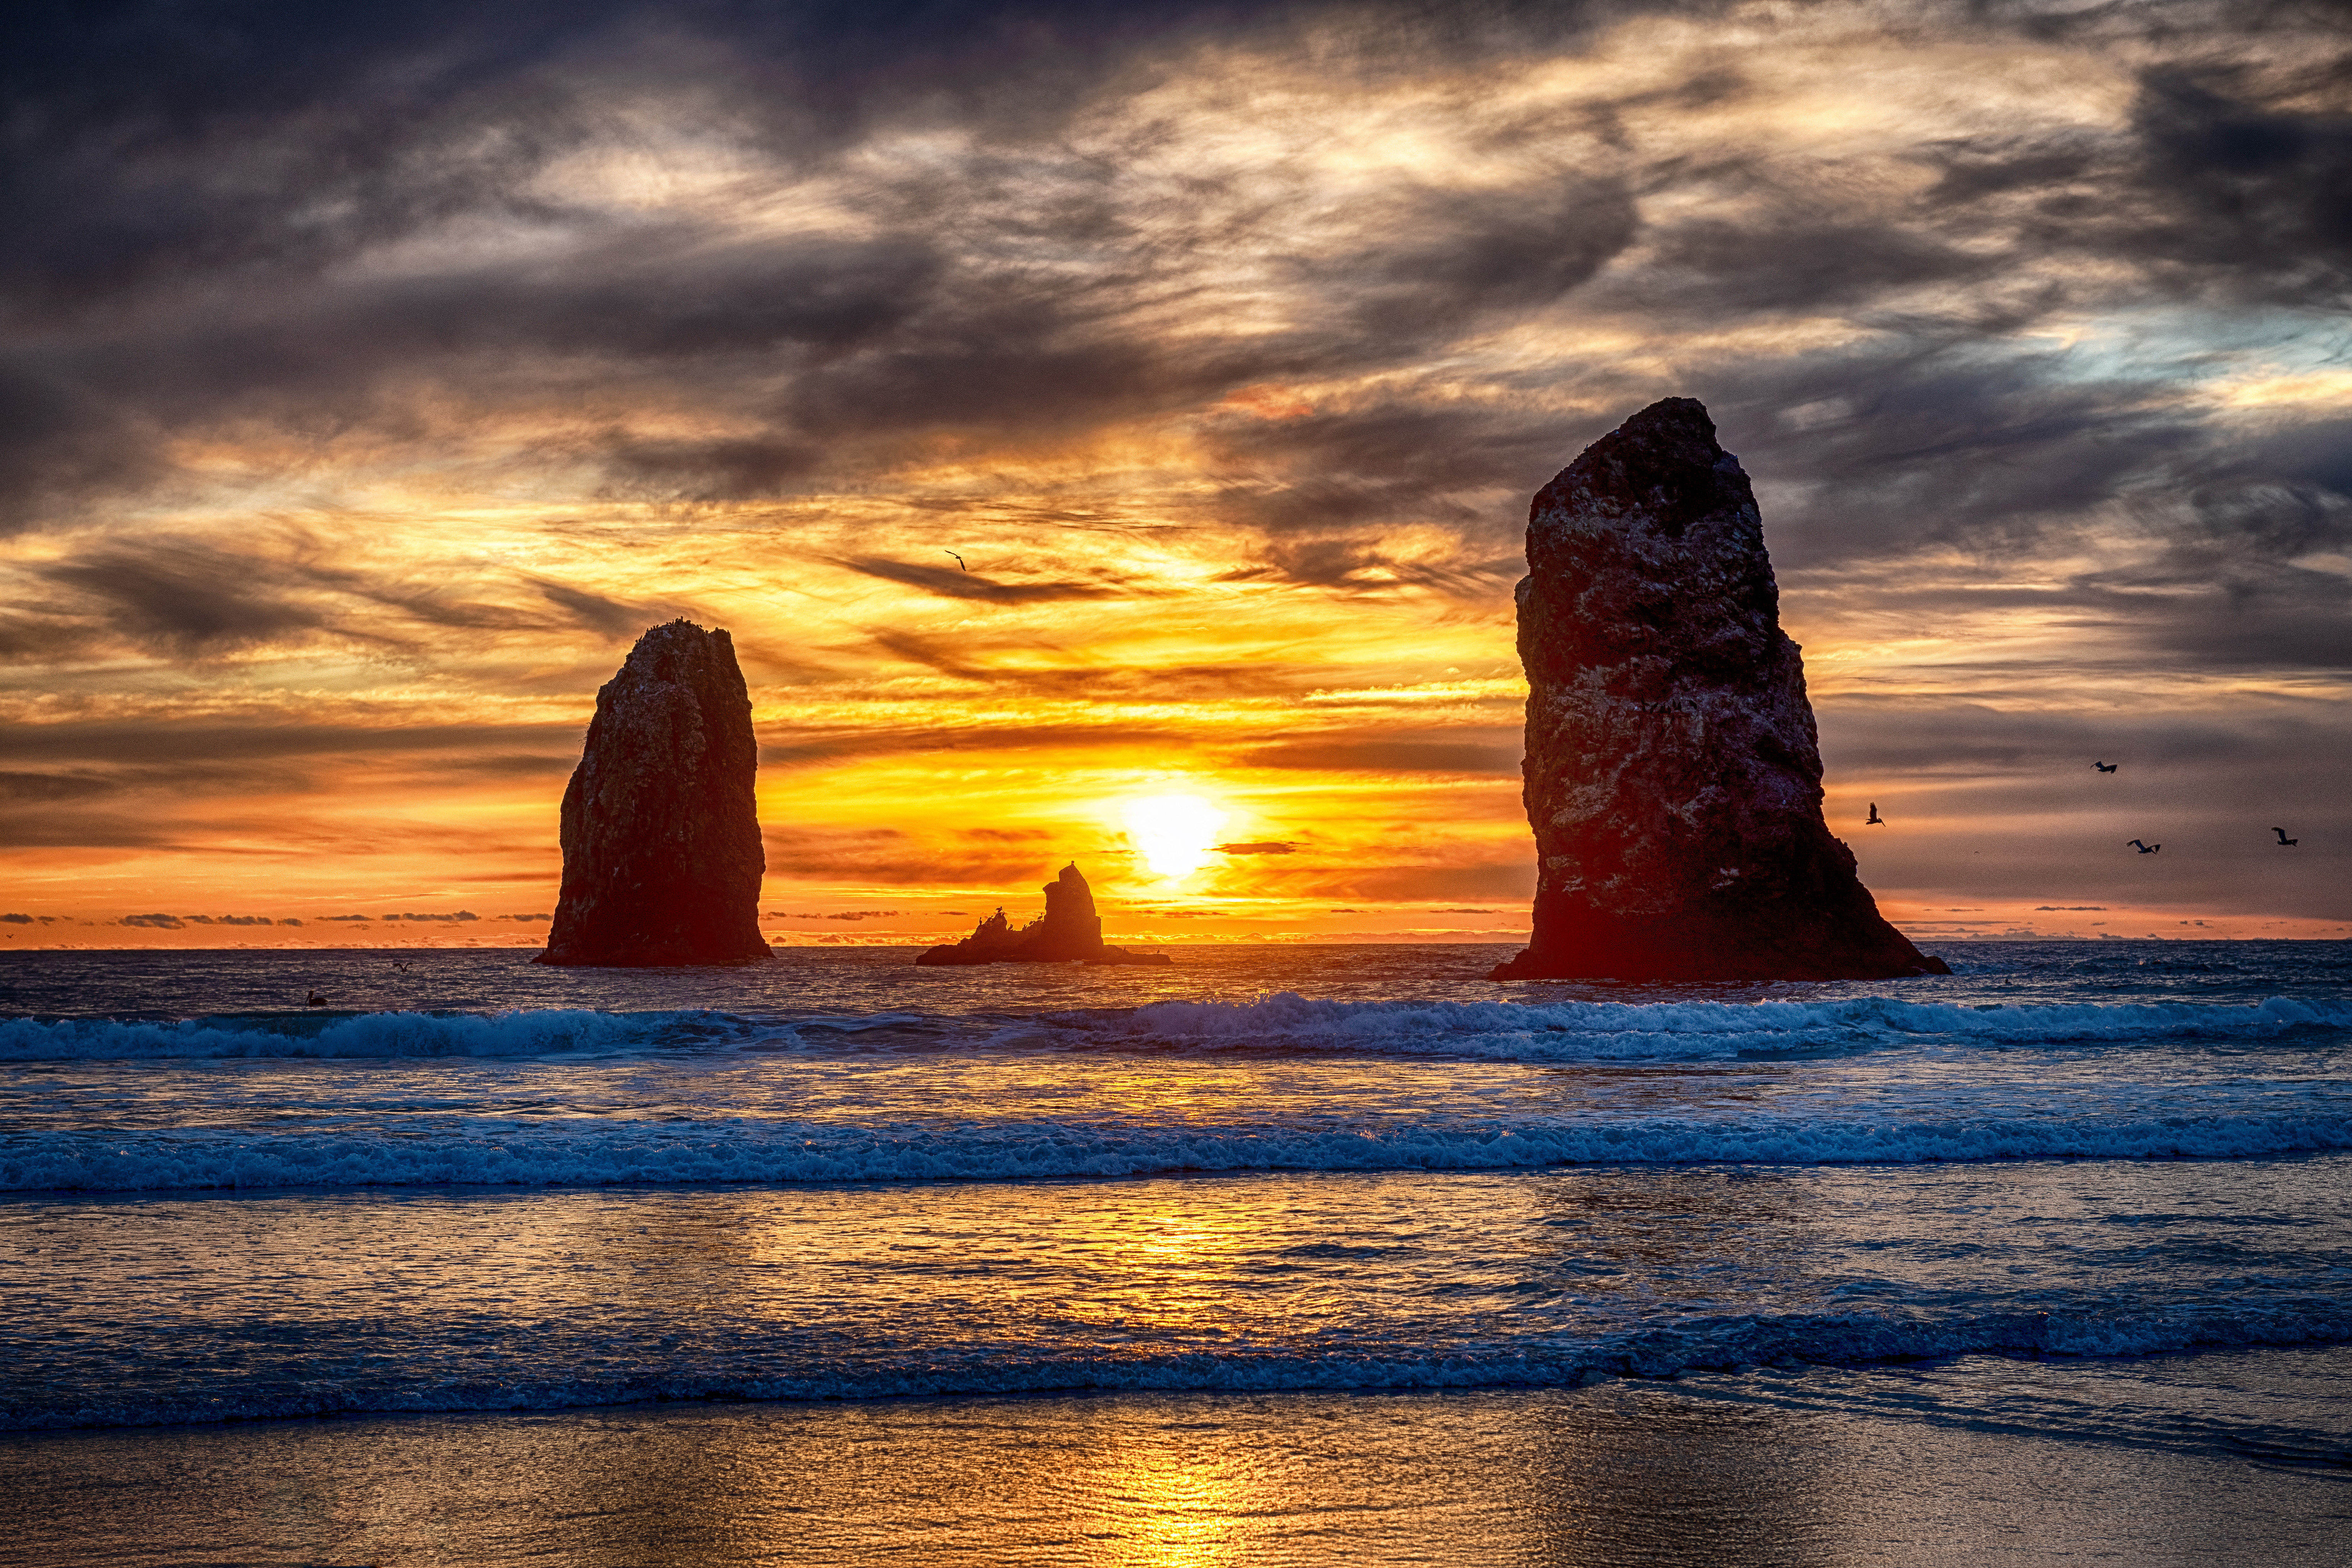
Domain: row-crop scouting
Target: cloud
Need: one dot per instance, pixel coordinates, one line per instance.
(2262, 195)
(378, 370)
(52, 787)
(157, 922)
(1260, 847)
(953, 583)
(459, 915)
(187, 600)
(1389, 756)
(16, 919)
(342, 917)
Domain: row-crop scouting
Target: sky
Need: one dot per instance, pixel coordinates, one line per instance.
(371, 375)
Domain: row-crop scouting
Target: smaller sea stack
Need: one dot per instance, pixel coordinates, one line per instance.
(1070, 931)
(661, 832)
(1674, 779)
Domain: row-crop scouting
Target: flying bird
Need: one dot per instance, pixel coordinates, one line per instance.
(1875, 820)
(2284, 842)
(2106, 767)
(2145, 848)
(959, 560)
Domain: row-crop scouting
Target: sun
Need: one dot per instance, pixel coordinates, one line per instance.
(1175, 832)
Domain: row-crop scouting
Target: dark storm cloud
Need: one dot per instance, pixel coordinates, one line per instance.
(1787, 262)
(2007, 454)
(1442, 254)
(2260, 195)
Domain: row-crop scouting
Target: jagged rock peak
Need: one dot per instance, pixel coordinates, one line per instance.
(1070, 931)
(662, 859)
(1672, 773)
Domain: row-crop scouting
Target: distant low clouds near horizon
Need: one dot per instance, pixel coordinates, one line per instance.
(1066, 405)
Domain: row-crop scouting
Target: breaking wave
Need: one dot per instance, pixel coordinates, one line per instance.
(1286, 1022)
(597, 1152)
(1590, 1031)
(1734, 1344)
(539, 1032)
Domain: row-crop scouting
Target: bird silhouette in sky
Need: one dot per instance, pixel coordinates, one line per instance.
(2284, 842)
(1875, 820)
(2106, 767)
(959, 560)
(2145, 848)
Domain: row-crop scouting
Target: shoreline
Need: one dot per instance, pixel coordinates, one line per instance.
(2202, 1457)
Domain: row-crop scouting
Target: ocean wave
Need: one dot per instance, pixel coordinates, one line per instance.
(523, 1033)
(1287, 1022)
(601, 1154)
(1734, 1344)
(1602, 1031)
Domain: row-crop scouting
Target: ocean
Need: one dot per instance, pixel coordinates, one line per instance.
(1273, 1255)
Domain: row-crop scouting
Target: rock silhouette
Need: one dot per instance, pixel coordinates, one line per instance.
(1068, 931)
(661, 834)
(1672, 776)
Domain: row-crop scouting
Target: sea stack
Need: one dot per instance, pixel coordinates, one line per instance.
(1674, 779)
(661, 833)
(1070, 931)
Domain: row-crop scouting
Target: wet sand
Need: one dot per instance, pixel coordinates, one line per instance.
(2224, 1458)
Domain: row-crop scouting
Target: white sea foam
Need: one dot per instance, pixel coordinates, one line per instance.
(539, 1032)
(1730, 1342)
(1500, 1030)
(600, 1153)
(1586, 1031)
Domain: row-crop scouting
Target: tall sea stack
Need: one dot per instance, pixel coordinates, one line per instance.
(1674, 778)
(661, 833)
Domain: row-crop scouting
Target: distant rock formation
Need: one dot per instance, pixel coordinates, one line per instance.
(661, 834)
(1068, 931)
(1674, 778)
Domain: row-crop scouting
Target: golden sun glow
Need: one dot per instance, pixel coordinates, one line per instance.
(1174, 833)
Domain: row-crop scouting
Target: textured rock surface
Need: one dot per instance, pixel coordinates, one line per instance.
(661, 834)
(1068, 931)
(1672, 776)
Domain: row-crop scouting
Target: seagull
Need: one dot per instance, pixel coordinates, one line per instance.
(959, 560)
(2284, 842)
(2106, 767)
(1875, 820)
(2145, 848)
